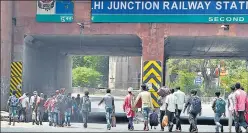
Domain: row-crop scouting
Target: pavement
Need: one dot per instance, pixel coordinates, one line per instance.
(92, 127)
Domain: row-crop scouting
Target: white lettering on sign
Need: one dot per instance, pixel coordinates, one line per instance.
(226, 19)
(170, 5)
(129, 5)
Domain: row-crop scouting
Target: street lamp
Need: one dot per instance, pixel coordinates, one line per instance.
(81, 26)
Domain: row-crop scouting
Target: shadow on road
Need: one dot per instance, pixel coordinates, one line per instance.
(99, 117)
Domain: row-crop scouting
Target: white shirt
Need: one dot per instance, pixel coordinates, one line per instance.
(231, 98)
(180, 99)
(25, 101)
(171, 100)
(163, 100)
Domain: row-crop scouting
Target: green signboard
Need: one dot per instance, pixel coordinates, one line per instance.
(169, 11)
(55, 11)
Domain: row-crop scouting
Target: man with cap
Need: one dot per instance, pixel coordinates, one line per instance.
(33, 103)
(12, 104)
(127, 107)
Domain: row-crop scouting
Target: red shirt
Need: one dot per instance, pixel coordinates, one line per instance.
(127, 106)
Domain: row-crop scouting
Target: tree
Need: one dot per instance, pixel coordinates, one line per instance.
(78, 61)
(241, 76)
(185, 80)
(85, 77)
(97, 63)
(182, 67)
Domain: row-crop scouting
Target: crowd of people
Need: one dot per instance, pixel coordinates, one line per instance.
(58, 107)
(173, 102)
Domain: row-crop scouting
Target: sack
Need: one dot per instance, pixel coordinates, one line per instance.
(113, 123)
(33, 115)
(195, 105)
(163, 91)
(139, 104)
(220, 106)
(86, 104)
(154, 119)
(165, 121)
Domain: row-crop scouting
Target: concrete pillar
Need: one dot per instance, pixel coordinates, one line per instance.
(45, 70)
(6, 51)
(112, 72)
(134, 71)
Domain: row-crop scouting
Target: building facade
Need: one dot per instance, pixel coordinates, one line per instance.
(18, 18)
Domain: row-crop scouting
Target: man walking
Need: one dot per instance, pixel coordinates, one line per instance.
(109, 107)
(34, 106)
(219, 108)
(171, 108)
(24, 106)
(12, 104)
(56, 110)
(147, 105)
(61, 107)
(181, 99)
(85, 107)
(128, 108)
(240, 100)
(68, 110)
(231, 98)
(49, 107)
(40, 108)
(162, 98)
(195, 108)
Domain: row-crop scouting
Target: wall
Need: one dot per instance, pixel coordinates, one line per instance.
(6, 49)
(123, 72)
(45, 70)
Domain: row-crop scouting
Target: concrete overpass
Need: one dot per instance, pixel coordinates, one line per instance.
(185, 40)
(47, 64)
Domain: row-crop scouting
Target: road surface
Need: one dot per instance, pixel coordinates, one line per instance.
(97, 121)
(78, 127)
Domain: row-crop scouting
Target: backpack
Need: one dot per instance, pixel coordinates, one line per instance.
(86, 104)
(68, 102)
(13, 101)
(154, 119)
(220, 106)
(61, 101)
(195, 105)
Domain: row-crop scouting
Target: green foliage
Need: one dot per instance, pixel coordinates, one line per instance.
(83, 76)
(185, 80)
(187, 70)
(96, 63)
(232, 78)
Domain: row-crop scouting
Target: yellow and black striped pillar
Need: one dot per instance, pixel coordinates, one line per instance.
(16, 78)
(152, 74)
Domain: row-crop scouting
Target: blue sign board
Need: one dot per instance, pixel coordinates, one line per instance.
(59, 11)
(170, 11)
(198, 80)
